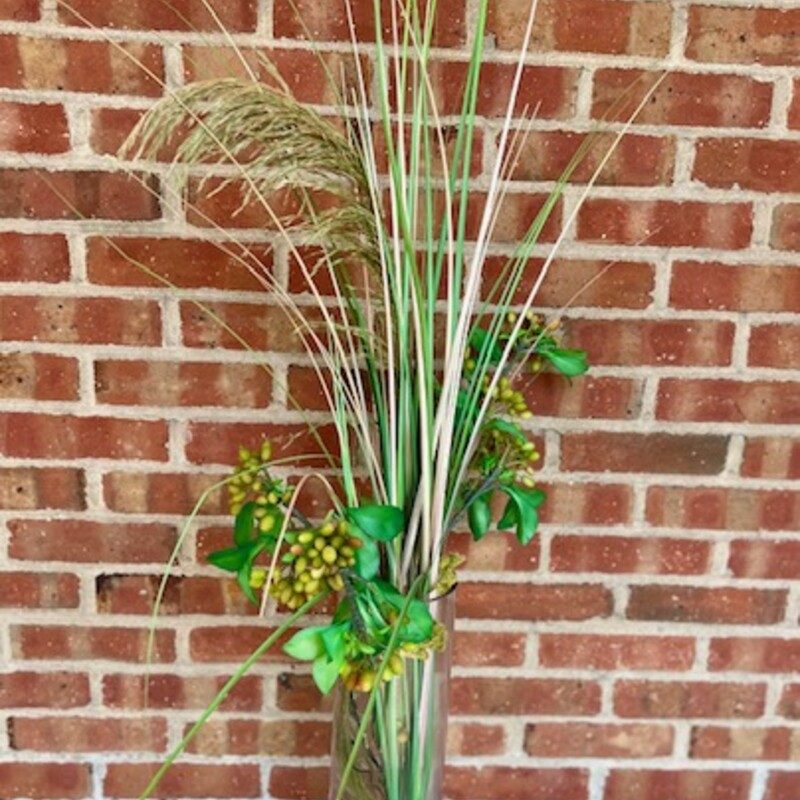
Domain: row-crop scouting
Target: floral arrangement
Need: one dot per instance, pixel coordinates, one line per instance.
(424, 369)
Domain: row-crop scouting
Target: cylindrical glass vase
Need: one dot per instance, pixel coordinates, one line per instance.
(401, 756)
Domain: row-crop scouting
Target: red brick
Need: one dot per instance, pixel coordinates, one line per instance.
(667, 223)
(19, 10)
(794, 108)
(764, 402)
(702, 343)
(475, 739)
(110, 128)
(182, 383)
(744, 744)
(45, 781)
(722, 509)
(44, 690)
(754, 655)
(786, 227)
(306, 19)
(771, 458)
(184, 780)
(87, 735)
(85, 320)
(219, 443)
(73, 194)
(305, 70)
(47, 590)
(161, 493)
(676, 785)
(166, 691)
(592, 740)
(27, 257)
(782, 785)
(515, 215)
(764, 559)
(596, 398)
(775, 345)
(298, 783)
(688, 699)
(70, 642)
(579, 283)
(299, 693)
(136, 594)
(588, 504)
(724, 606)
(184, 15)
(500, 551)
(81, 66)
(635, 161)
(685, 98)
(533, 602)
(38, 376)
(260, 326)
(521, 696)
(29, 128)
(789, 703)
(26, 489)
(86, 542)
(187, 263)
(627, 554)
(763, 165)
(251, 737)
(727, 287)
(602, 652)
(45, 436)
(516, 783)
(571, 25)
(484, 649)
(654, 453)
(743, 35)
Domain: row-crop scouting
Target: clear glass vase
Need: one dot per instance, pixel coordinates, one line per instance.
(402, 754)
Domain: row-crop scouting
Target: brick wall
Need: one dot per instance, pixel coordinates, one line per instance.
(645, 647)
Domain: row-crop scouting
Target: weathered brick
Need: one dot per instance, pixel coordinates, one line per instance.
(516, 783)
(81, 66)
(744, 744)
(764, 559)
(794, 108)
(588, 504)
(47, 590)
(763, 165)
(667, 223)
(648, 555)
(516, 696)
(720, 400)
(38, 376)
(88, 735)
(789, 702)
(35, 194)
(19, 10)
(753, 654)
(51, 690)
(571, 25)
(649, 453)
(688, 699)
(743, 35)
(226, 643)
(786, 227)
(782, 785)
(475, 739)
(725, 287)
(771, 457)
(605, 652)
(181, 383)
(722, 509)
(702, 343)
(29, 128)
(592, 740)
(484, 649)
(28, 488)
(655, 784)
(711, 606)
(50, 436)
(244, 737)
(160, 493)
(298, 783)
(45, 781)
(184, 15)
(533, 602)
(299, 693)
(33, 257)
(184, 780)
(598, 398)
(775, 345)
(685, 98)
(500, 551)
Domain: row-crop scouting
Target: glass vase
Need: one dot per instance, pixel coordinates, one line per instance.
(401, 756)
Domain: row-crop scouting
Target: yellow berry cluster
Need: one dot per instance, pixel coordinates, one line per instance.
(315, 557)
(252, 483)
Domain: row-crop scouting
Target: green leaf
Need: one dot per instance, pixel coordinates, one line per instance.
(230, 559)
(306, 644)
(570, 363)
(522, 511)
(244, 525)
(480, 341)
(243, 575)
(418, 623)
(368, 557)
(333, 639)
(479, 514)
(509, 428)
(325, 672)
(378, 522)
